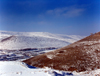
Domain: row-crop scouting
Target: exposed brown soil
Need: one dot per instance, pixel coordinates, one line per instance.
(80, 56)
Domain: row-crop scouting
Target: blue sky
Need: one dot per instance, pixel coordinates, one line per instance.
(80, 17)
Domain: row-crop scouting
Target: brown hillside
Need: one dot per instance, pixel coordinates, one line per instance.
(80, 56)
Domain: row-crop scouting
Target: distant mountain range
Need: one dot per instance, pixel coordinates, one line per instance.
(83, 55)
(30, 40)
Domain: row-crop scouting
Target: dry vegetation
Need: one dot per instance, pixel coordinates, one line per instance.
(80, 56)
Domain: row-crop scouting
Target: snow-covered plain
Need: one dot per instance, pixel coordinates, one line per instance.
(10, 55)
(22, 40)
(15, 68)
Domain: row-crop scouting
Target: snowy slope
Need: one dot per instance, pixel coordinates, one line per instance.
(23, 40)
(14, 68)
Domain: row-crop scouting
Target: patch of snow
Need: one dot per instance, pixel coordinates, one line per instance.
(50, 56)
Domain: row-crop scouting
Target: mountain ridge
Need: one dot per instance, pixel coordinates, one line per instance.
(23, 40)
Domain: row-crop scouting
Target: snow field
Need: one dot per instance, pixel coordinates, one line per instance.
(16, 68)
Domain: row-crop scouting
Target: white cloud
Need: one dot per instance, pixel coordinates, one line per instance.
(66, 11)
(73, 12)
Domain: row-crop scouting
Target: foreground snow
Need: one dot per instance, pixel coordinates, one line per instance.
(18, 68)
(15, 68)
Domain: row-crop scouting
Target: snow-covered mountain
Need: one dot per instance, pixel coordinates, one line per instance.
(23, 40)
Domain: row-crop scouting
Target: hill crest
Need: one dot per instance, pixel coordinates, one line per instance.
(83, 55)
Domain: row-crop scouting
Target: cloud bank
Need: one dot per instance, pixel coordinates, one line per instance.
(66, 11)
